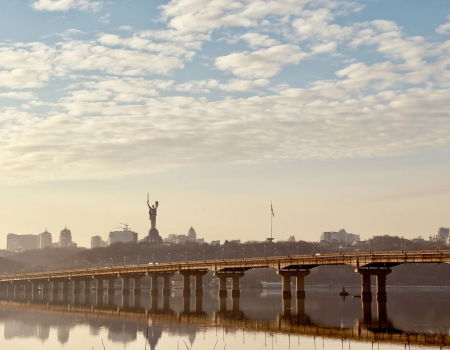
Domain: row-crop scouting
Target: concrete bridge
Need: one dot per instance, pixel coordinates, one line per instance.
(298, 266)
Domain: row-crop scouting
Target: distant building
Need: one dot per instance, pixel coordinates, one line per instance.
(192, 235)
(97, 242)
(124, 236)
(215, 242)
(65, 238)
(443, 233)
(181, 239)
(291, 239)
(45, 239)
(16, 243)
(339, 236)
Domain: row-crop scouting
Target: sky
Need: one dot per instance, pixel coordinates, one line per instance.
(337, 111)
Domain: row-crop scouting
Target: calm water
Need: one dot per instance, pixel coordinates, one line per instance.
(257, 320)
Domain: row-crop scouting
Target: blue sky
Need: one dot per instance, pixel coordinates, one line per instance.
(131, 92)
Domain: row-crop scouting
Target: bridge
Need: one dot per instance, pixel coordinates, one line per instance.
(298, 266)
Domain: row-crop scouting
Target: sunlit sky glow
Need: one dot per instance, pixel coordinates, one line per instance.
(336, 110)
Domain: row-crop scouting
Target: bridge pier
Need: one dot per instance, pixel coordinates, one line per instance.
(76, 285)
(235, 276)
(16, 286)
(166, 284)
(155, 285)
(99, 282)
(300, 282)
(111, 285)
(87, 286)
(137, 285)
(34, 289)
(222, 285)
(366, 293)
(381, 285)
(125, 285)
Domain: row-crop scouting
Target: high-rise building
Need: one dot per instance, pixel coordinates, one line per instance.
(192, 235)
(124, 236)
(443, 233)
(45, 239)
(15, 243)
(97, 242)
(65, 238)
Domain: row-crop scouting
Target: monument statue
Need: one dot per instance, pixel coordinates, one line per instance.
(152, 213)
(153, 234)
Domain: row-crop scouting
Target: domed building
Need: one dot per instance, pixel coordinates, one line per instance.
(192, 235)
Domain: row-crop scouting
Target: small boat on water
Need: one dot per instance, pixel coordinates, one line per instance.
(343, 293)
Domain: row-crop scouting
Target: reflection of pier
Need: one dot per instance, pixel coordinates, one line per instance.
(292, 321)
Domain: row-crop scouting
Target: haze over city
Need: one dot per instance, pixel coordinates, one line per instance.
(336, 111)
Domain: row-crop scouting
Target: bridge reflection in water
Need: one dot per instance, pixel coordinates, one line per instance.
(153, 314)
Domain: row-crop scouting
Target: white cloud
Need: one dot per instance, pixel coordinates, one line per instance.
(66, 5)
(264, 63)
(105, 18)
(316, 24)
(296, 123)
(13, 95)
(205, 86)
(256, 40)
(444, 28)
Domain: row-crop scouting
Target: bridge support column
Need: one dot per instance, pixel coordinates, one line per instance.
(34, 289)
(286, 284)
(47, 286)
(76, 285)
(87, 286)
(300, 283)
(166, 284)
(137, 285)
(366, 293)
(199, 283)
(236, 292)
(381, 284)
(125, 285)
(18, 289)
(28, 289)
(222, 285)
(65, 286)
(186, 282)
(111, 285)
(100, 289)
(155, 285)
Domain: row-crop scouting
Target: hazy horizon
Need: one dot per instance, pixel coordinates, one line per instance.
(337, 111)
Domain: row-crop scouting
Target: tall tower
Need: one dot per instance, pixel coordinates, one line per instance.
(65, 238)
(45, 239)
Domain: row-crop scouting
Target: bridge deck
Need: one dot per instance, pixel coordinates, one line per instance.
(304, 262)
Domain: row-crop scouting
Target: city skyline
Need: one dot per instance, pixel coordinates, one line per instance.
(337, 111)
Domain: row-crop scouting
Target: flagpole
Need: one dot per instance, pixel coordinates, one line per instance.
(271, 218)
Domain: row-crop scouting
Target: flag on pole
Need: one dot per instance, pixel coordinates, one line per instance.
(271, 209)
